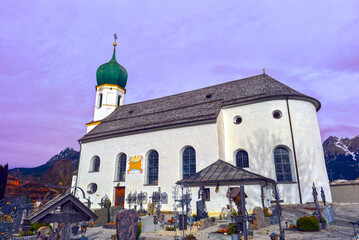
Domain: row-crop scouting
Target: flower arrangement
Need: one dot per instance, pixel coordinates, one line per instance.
(169, 228)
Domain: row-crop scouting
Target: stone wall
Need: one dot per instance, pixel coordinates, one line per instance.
(345, 193)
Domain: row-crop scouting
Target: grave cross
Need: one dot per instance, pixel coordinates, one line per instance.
(315, 197)
(157, 200)
(323, 196)
(129, 200)
(245, 217)
(141, 198)
(278, 207)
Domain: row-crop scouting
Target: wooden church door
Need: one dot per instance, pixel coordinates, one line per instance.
(120, 196)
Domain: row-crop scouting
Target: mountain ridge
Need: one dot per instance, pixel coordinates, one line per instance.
(342, 157)
(65, 155)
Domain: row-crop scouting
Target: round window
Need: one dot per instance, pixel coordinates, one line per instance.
(237, 119)
(92, 188)
(277, 114)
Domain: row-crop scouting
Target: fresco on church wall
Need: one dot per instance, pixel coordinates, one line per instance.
(135, 164)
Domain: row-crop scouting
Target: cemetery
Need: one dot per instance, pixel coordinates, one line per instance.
(77, 221)
(69, 216)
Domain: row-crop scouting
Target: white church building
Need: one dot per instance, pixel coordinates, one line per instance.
(255, 123)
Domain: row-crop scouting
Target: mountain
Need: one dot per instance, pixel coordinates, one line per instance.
(66, 155)
(342, 157)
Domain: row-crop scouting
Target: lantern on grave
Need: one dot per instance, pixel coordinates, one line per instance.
(274, 236)
(84, 227)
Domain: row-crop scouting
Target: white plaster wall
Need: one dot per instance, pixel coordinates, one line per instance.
(310, 156)
(259, 134)
(168, 144)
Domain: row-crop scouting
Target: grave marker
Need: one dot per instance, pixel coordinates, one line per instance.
(148, 224)
(127, 224)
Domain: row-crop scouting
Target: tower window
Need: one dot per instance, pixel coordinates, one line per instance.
(95, 164)
(100, 100)
(118, 101)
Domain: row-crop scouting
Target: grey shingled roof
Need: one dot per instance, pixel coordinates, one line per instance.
(224, 174)
(193, 107)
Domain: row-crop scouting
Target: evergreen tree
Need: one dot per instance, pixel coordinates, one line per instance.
(3, 179)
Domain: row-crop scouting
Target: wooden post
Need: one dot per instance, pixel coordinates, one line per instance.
(65, 224)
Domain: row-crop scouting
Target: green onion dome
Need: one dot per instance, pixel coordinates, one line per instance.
(112, 72)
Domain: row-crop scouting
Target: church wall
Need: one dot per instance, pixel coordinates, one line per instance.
(310, 156)
(259, 134)
(168, 143)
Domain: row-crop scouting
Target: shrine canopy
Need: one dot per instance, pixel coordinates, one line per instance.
(71, 210)
(221, 173)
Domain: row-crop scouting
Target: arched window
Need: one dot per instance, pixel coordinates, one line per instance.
(282, 165)
(100, 100)
(121, 167)
(189, 162)
(96, 164)
(152, 173)
(242, 159)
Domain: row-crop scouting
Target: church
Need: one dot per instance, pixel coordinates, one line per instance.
(256, 123)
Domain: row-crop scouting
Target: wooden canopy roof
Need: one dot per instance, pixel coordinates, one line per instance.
(224, 174)
(46, 213)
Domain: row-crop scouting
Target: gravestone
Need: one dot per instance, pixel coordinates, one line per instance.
(164, 198)
(204, 223)
(113, 213)
(274, 219)
(259, 221)
(148, 224)
(42, 231)
(201, 212)
(102, 214)
(150, 208)
(127, 224)
(328, 214)
(182, 222)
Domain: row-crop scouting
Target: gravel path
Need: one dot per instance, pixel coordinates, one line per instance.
(339, 230)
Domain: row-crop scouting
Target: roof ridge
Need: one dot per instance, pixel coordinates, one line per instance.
(193, 90)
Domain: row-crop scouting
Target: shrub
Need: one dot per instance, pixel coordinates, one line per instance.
(139, 229)
(27, 233)
(234, 213)
(308, 224)
(231, 229)
(169, 228)
(36, 225)
(190, 237)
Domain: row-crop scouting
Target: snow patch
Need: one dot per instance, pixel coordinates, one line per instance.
(342, 146)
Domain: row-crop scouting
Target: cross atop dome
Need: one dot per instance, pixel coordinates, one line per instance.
(115, 36)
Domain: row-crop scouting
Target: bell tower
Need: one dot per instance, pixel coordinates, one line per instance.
(110, 90)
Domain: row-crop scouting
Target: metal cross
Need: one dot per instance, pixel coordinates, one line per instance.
(115, 36)
(315, 197)
(278, 207)
(323, 196)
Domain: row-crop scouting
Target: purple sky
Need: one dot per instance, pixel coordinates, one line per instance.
(50, 51)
